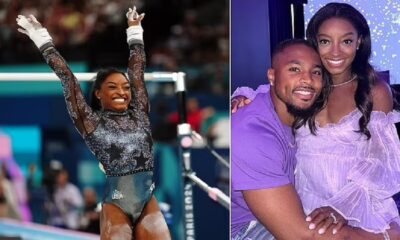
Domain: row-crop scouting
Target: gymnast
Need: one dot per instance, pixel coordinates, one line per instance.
(116, 128)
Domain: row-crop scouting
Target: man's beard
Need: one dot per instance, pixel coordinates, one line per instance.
(300, 112)
(297, 112)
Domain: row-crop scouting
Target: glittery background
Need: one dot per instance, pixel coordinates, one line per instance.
(383, 17)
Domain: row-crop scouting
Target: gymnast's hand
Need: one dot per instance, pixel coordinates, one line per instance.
(31, 27)
(238, 102)
(134, 18)
(326, 217)
(134, 32)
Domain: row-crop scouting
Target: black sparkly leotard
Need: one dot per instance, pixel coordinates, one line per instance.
(121, 141)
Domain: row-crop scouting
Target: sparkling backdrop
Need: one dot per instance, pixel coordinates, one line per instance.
(383, 17)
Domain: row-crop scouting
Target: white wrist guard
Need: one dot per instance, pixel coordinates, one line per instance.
(31, 27)
(134, 33)
(40, 37)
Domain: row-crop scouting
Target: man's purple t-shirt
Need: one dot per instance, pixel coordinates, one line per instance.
(263, 155)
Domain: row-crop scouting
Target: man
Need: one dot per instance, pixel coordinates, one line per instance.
(263, 151)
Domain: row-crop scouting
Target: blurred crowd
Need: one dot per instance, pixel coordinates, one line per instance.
(190, 36)
(58, 201)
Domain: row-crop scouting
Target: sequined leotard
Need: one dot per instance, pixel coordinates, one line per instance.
(121, 141)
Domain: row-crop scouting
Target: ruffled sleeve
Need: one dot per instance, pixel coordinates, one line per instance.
(366, 200)
(249, 92)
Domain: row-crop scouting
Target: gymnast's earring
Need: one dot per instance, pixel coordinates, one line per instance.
(97, 94)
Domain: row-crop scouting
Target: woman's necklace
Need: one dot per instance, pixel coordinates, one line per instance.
(344, 83)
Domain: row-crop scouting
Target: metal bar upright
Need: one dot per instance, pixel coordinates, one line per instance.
(185, 143)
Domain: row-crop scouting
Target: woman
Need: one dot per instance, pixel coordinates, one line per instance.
(116, 129)
(348, 157)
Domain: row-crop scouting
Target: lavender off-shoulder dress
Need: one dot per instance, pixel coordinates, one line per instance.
(340, 168)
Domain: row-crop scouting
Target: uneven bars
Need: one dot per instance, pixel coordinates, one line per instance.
(153, 76)
(214, 193)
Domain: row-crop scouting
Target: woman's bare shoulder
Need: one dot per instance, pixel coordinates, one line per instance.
(382, 96)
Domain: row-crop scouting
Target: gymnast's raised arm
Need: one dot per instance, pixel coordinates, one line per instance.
(82, 115)
(137, 60)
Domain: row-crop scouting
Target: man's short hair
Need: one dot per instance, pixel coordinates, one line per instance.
(290, 42)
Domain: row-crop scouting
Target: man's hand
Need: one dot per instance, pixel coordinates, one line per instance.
(31, 27)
